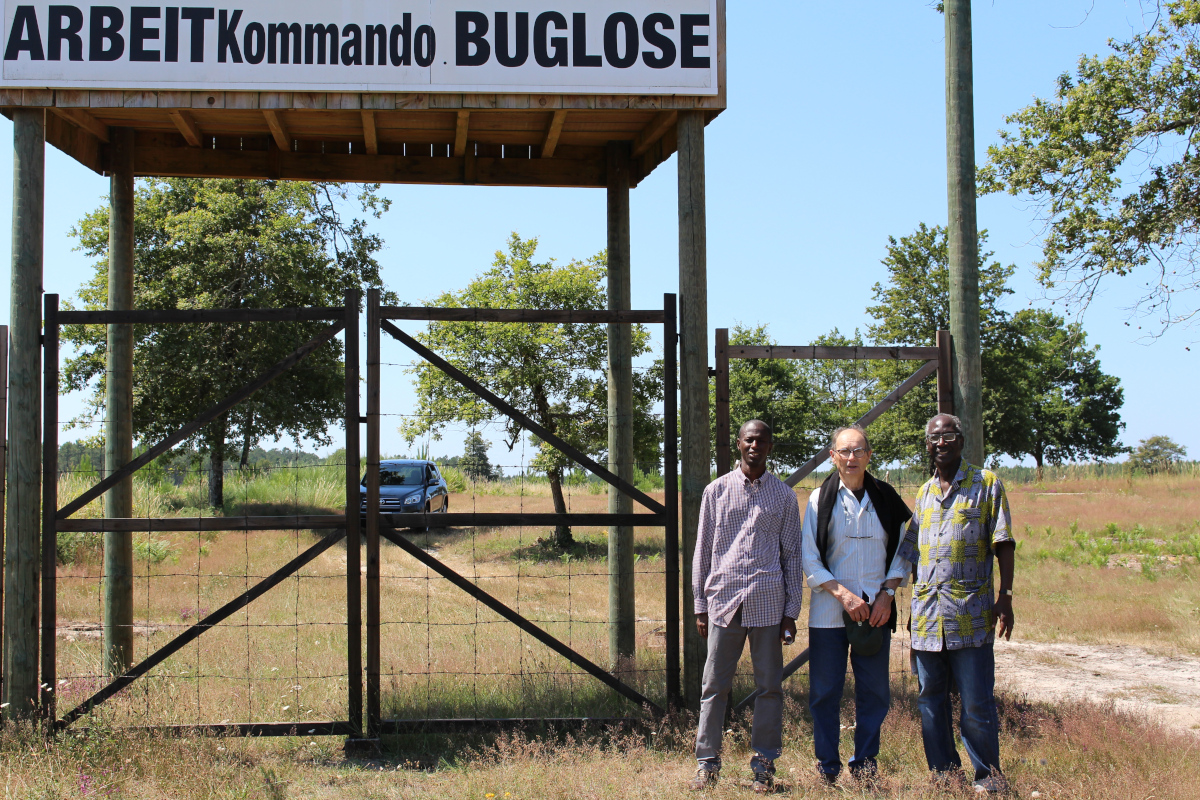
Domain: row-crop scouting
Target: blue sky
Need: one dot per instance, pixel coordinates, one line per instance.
(834, 139)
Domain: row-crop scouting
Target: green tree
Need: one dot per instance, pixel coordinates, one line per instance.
(474, 461)
(553, 373)
(911, 307)
(1113, 165)
(842, 389)
(229, 244)
(1072, 408)
(1156, 454)
(774, 390)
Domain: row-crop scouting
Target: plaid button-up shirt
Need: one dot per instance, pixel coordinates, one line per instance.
(748, 551)
(951, 539)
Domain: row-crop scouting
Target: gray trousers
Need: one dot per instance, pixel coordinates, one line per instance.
(766, 653)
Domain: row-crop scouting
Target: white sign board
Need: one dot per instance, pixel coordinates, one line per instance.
(554, 46)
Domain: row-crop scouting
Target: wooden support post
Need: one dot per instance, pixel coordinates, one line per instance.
(622, 620)
(373, 687)
(3, 468)
(721, 356)
(118, 424)
(22, 559)
(963, 235)
(671, 494)
(49, 505)
(354, 672)
(945, 374)
(693, 373)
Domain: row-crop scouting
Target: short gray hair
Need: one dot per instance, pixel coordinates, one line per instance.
(855, 427)
(957, 422)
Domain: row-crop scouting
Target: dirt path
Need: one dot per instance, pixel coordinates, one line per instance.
(1161, 687)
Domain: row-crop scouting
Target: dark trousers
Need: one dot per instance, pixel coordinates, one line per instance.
(973, 670)
(872, 697)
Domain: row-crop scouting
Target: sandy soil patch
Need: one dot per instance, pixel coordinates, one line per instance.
(1164, 688)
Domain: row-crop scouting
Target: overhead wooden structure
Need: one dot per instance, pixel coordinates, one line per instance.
(500, 139)
(606, 97)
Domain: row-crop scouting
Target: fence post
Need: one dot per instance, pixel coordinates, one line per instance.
(671, 495)
(721, 357)
(49, 506)
(945, 374)
(3, 472)
(622, 631)
(373, 701)
(354, 698)
(22, 563)
(118, 423)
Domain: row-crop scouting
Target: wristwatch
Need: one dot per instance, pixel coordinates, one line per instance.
(890, 592)
(1008, 592)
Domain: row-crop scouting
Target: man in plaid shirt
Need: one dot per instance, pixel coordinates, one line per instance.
(961, 520)
(747, 580)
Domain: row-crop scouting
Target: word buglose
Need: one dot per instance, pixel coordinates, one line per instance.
(658, 46)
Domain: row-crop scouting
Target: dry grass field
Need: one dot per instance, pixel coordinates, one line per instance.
(1100, 561)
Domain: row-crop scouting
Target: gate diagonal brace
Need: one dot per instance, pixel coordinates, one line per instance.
(505, 408)
(199, 422)
(626, 691)
(192, 633)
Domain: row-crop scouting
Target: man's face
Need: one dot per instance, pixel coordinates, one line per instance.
(850, 455)
(754, 444)
(945, 453)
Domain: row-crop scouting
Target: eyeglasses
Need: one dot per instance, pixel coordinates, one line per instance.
(942, 438)
(857, 452)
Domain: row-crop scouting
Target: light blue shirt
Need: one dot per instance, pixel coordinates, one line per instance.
(857, 550)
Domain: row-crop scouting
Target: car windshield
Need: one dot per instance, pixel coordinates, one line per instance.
(399, 475)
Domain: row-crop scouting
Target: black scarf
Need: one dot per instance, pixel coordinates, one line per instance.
(890, 508)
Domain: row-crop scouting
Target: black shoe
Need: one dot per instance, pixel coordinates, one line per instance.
(704, 779)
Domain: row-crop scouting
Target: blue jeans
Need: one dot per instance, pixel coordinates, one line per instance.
(973, 670)
(872, 697)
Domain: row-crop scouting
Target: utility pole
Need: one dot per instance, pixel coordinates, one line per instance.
(963, 233)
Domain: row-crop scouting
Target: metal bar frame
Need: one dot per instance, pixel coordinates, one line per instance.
(56, 519)
(381, 524)
(3, 487)
(937, 360)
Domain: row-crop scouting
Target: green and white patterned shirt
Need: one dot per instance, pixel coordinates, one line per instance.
(951, 539)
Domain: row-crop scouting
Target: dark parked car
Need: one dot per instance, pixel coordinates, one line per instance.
(408, 486)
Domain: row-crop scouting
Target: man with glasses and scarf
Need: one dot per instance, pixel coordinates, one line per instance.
(852, 529)
(961, 521)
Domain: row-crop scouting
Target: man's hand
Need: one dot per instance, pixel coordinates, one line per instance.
(787, 629)
(1003, 613)
(855, 606)
(702, 625)
(881, 610)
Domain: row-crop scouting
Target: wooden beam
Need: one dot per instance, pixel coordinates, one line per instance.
(278, 133)
(460, 133)
(662, 122)
(205, 162)
(553, 132)
(547, 315)
(83, 119)
(368, 120)
(845, 353)
(186, 125)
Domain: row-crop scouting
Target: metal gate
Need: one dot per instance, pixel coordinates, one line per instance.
(347, 526)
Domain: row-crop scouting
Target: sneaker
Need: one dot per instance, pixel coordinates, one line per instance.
(993, 784)
(764, 782)
(867, 775)
(705, 778)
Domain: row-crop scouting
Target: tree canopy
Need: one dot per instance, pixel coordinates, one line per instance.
(1157, 454)
(229, 244)
(553, 373)
(1112, 162)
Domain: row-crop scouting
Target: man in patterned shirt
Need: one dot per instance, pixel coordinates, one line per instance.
(747, 581)
(961, 520)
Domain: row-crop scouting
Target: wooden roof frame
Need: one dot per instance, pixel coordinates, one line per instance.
(402, 137)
